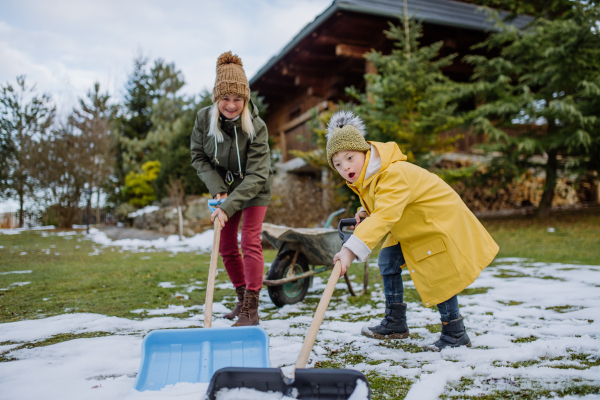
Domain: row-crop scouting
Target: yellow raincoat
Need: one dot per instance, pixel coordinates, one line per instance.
(444, 244)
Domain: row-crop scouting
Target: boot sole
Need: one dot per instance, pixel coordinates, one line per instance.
(437, 349)
(370, 334)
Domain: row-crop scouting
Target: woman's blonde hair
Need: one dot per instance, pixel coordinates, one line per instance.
(215, 122)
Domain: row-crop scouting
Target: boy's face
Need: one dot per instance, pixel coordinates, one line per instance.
(349, 164)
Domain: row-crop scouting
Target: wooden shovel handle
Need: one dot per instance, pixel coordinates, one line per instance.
(309, 341)
(212, 273)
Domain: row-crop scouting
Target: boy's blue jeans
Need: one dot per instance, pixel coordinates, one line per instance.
(390, 261)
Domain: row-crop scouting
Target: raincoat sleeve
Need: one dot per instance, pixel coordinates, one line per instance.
(392, 194)
(202, 164)
(258, 167)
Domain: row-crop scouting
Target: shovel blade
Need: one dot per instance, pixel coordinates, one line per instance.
(311, 384)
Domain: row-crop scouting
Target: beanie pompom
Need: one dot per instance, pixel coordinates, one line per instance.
(229, 58)
(343, 118)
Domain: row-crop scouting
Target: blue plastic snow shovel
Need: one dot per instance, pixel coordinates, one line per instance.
(170, 356)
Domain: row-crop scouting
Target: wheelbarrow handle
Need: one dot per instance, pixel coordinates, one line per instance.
(344, 223)
(212, 274)
(309, 341)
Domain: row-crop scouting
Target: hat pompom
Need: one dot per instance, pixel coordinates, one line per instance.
(229, 58)
(343, 118)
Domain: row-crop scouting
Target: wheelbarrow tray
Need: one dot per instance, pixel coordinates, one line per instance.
(319, 245)
(312, 384)
(170, 356)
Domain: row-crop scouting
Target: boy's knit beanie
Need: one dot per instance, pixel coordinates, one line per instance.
(231, 78)
(345, 131)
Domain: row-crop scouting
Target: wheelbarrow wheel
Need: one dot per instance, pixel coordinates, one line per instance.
(293, 292)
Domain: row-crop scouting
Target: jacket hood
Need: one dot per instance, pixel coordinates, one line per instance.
(253, 108)
(387, 153)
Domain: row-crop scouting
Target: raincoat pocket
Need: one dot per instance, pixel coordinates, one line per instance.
(434, 262)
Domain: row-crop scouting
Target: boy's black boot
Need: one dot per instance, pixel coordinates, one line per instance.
(454, 334)
(393, 326)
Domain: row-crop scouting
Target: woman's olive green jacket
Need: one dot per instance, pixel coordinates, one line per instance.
(242, 169)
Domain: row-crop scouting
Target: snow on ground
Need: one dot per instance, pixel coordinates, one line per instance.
(16, 231)
(199, 242)
(537, 314)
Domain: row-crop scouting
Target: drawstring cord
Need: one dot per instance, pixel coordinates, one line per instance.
(216, 159)
(238, 152)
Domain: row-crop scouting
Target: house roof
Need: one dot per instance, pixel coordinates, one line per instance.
(439, 12)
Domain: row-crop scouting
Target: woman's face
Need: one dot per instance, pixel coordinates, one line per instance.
(231, 106)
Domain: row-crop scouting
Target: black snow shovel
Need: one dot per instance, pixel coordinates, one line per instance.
(306, 384)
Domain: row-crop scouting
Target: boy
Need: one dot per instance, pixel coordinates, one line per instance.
(430, 230)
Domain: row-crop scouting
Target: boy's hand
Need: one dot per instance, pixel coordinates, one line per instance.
(345, 256)
(360, 215)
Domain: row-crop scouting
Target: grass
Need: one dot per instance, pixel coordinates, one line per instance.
(576, 238)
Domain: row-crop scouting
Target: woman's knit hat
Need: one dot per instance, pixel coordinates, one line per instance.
(345, 131)
(231, 78)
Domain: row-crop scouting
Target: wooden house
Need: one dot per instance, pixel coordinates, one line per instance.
(326, 56)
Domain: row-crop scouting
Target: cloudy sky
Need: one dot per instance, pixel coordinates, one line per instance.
(64, 46)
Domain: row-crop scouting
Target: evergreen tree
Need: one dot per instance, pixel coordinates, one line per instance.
(93, 119)
(134, 122)
(538, 8)
(25, 118)
(544, 87)
(409, 100)
(164, 106)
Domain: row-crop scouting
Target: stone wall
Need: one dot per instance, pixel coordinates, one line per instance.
(196, 217)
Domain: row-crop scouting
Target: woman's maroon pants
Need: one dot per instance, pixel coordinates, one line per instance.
(248, 271)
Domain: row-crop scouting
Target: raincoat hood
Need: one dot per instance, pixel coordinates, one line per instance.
(377, 160)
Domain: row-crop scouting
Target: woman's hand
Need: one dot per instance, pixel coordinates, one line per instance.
(345, 256)
(359, 215)
(221, 215)
(220, 196)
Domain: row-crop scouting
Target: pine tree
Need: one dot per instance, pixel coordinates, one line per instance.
(544, 87)
(25, 118)
(94, 119)
(409, 100)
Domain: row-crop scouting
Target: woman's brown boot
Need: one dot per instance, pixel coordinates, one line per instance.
(238, 307)
(249, 313)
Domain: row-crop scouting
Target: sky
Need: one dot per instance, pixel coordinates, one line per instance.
(64, 46)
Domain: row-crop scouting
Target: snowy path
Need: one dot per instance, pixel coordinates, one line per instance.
(540, 315)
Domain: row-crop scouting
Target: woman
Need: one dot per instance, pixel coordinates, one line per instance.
(230, 151)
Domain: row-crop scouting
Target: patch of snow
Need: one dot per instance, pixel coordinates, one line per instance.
(250, 394)
(15, 284)
(361, 391)
(142, 211)
(16, 231)
(16, 272)
(550, 230)
(200, 242)
(166, 285)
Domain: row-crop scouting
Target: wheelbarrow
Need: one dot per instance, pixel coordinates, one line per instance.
(303, 253)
